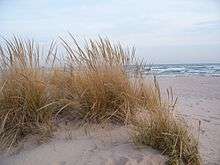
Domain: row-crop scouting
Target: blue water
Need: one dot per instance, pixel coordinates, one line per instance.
(212, 69)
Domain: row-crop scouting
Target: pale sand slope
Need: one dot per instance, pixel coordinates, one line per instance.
(199, 99)
(86, 146)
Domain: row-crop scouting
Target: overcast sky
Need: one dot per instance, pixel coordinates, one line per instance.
(163, 31)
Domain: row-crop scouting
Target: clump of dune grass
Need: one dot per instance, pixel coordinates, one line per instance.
(24, 96)
(96, 84)
(93, 84)
(95, 79)
(164, 131)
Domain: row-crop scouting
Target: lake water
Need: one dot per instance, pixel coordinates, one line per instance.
(212, 69)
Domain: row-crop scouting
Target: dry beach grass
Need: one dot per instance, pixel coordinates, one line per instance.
(92, 85)
(24, 98)
(169, 134)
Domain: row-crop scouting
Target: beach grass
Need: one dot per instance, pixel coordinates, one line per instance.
(96, 82)
(91, 84)
(164, 131)
(25, 104)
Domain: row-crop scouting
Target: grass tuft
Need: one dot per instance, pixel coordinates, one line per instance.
(97, 81)
(166, 132)
(24, 95)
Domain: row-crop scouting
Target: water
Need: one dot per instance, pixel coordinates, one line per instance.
(212, 69)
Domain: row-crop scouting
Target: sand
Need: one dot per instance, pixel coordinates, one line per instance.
(90, 145)
(198, 99)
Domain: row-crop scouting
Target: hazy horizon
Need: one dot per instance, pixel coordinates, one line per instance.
(163, 32)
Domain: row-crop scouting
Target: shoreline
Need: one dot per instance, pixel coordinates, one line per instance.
(186, 75)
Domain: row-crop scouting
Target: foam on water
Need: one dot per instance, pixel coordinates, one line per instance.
(185, 69)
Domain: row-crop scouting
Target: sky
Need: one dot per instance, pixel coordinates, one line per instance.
(163, 31)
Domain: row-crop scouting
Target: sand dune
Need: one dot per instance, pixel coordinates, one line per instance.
(199, 99)
(89, 145)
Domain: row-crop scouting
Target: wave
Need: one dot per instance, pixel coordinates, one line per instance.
(185, 69)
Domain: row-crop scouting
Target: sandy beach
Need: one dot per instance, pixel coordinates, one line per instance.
(110, 82)
(198, 100)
